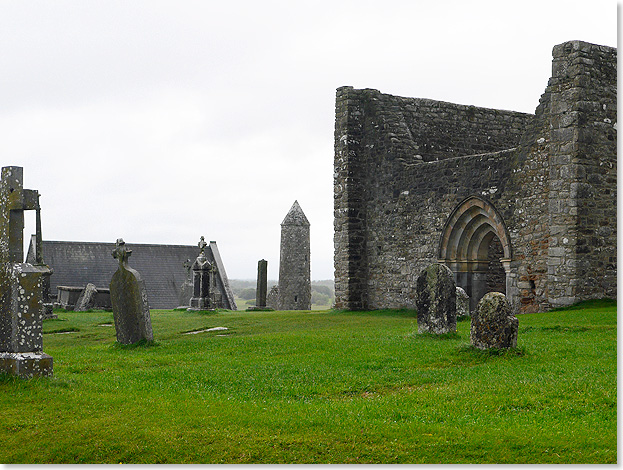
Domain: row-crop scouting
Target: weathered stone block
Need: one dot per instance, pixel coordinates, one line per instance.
(436, 300)
(86, 300)
(494, 324)
(462, 303)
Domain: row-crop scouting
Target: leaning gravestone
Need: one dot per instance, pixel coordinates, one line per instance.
(436, 300)
(86, 299)
(494, 324)
(129, 300)
(462, 303)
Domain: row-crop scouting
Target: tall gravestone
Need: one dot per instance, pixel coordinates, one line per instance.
(128, 296)
(494, 324)
(21, 284)
(294, 264)
(186, 290)
(203, 279)
(436, 300)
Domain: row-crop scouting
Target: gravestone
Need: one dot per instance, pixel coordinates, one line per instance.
(21, 284)
(494, 324)
(436, 300)
(186, 291)
(203, 278)
(462, 303)
(129, 300)
(86, 300)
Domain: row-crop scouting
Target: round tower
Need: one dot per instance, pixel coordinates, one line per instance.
(294, 265)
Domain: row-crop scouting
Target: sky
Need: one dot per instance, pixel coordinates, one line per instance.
(162, 121)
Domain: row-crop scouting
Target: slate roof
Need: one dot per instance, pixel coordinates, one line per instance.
(160, 266)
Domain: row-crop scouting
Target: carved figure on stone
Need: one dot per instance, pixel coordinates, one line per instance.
(462, 303)
(129, 300)
(494, 324)
(21, 284)
(436, 300)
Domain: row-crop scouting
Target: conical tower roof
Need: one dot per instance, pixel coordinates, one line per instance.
(295, 216)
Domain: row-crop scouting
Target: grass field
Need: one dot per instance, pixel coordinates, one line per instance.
(321, 387)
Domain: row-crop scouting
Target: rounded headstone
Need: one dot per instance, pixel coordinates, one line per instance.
(436, 300)
(494, 324)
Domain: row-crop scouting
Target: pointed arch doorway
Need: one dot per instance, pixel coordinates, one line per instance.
(476, 246)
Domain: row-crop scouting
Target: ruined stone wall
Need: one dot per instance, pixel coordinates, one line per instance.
(403, 165)
(582, 255)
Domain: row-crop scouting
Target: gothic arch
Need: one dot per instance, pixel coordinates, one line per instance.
(466, 238)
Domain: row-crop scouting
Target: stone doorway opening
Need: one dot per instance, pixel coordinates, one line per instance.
(475, 245)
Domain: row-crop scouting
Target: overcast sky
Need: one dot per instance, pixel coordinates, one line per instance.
(162, 121)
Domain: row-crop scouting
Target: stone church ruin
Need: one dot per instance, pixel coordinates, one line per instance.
(522, 204)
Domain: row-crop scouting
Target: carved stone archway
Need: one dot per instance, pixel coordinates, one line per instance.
(472, 228)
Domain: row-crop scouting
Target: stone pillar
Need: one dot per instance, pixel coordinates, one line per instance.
(21, 285)
(294, 265)
(262, 283)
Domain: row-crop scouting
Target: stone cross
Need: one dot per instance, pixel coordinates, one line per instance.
(186, 290)
(202, 245)
(21, 284)
(129, 300)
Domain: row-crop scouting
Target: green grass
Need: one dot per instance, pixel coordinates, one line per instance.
(321, 387)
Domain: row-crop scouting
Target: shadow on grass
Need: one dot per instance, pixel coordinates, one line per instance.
(394, 312)
(142, 344)
(472, 355)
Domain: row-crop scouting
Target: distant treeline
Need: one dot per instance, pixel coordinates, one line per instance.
(323, 292)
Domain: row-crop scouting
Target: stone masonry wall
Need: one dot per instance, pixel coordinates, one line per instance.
(403, 165)
(582, 255)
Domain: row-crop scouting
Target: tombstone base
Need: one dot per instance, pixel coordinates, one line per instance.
(26, 365)
(200, 309)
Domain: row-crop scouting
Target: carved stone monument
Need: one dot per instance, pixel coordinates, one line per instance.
(21, 284)
(494, 324)
(186, 290)
(129, 300)
(203, 278)
(436, 300)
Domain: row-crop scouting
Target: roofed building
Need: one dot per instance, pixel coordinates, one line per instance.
(161, 266)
